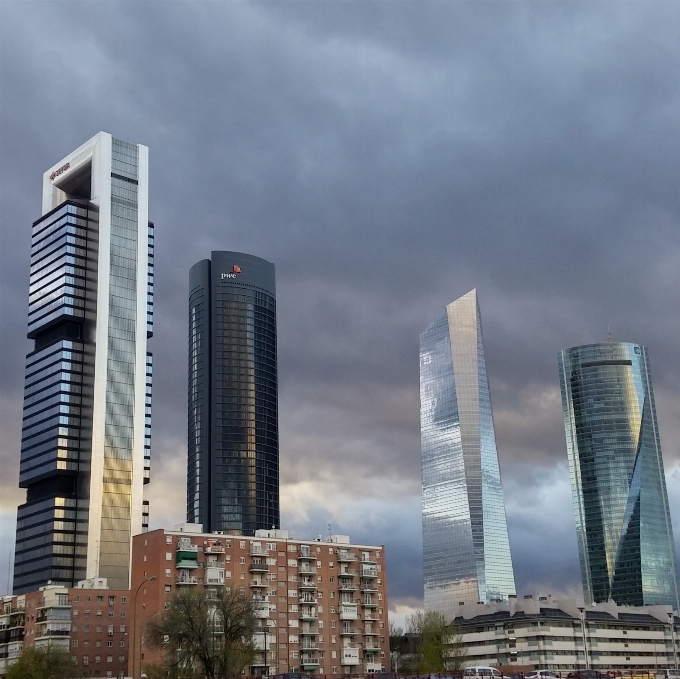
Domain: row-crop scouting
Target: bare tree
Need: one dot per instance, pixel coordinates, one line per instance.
(209, 634)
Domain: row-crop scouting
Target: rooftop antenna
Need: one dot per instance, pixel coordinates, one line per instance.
(330, 532)
(609, 335)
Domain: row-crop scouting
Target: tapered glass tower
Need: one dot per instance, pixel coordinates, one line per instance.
(465, 536)
(623, 523)
(233, 439)
(87, 403)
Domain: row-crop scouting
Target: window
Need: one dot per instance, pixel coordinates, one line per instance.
(110, 614)
(333, 639)
(282, 568)
(74, 642)
(168, 573)
(123, 600)
(76, 599)
(330, 550)
(123, 614)
(243, 576)
(243, 544)
(86, 643)
(318, 564)
(87, 598)
(100, 598)
(86, 628)
(333, 624)
(228, 543)
(74, 614)
(292, 562)
(334, 654)
(167, 588)
(168, 556)
(168, 539)
(145, 557)
(86, 660)
(109, 658)
(227, 558)
(332, 595)
(110, 630)
(243, 559)
(292, 548)
(99, 614)
(331, 579)
(109, 644)
(122, 629)
(122, 643)
(227, 575)
(87, 614)
(320, 624)
(121, 658)
(331, 564)
(74, 628)
(97, 658)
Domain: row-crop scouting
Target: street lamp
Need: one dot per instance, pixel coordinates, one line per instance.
(134, 622)
(582, 613)
(671, 622)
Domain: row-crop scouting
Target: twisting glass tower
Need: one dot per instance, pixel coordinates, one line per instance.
(623, 523)
(465, 535)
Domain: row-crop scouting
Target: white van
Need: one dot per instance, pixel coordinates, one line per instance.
(482, 672)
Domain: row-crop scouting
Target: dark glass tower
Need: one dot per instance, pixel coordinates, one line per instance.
(233, 439)
(623, 523)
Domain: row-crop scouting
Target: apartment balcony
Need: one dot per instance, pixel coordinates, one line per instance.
(369, 603)
(260, 643)
(370, 632)
(307, 583)
(346, 556)
(187, 560)
(306, 569)
(261, 610)
(213, 549)
(258, 550)
(309, 645)
(369, 586)
(345, 586)
(348, 611)
(305, 553)
(349, 656)
(347, 573)
(369, 571)
(367, 562)
(374, 667)
(310, 614)
(307, 598)
(371, 648)
(349, 631)
(258, 584)
(188, 580)
(309, 631)
(258, 568)
(309, 662)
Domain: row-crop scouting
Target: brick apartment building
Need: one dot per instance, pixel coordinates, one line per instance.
(321, 604)
(11, 630)
(90, 621)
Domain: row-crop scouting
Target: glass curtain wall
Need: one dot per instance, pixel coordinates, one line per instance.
(465, 538)
(623, 522)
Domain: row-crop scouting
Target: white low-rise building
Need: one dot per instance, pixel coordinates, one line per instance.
(563, 634)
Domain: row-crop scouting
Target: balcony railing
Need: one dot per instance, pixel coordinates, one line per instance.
(346, 557)
(307, 583)
(350, 631)
(368, 586)
(188, 580)
(309, 645)
(347, 573)
(214, 549)
(305, 568)
(306, 553)
(258, 568)
(347, 587)
(258, 550)
(369, 572)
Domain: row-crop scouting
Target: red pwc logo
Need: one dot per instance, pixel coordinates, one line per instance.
(236, 269)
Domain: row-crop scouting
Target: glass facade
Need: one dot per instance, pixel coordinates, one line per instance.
(233, 447)
(623, 523)
(67, 462)
(466, 552)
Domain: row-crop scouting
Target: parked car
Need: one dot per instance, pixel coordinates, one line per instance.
(381, 675)
(542, 674)
(586, 674)
(292, 675)
(482, 672)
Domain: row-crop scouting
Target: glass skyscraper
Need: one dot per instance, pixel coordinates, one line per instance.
(87, 403)
(233, 438)
(466, 552)
(623, 522)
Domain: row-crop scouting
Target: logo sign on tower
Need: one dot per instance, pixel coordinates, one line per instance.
(235, 269)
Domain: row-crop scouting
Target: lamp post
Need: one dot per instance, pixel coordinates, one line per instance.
(134, 622)
(582, 613)
(671, 622)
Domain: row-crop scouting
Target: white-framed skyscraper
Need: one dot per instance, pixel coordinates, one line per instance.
(87, 403)
(466, 552)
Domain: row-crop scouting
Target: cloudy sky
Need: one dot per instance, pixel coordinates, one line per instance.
(387, 157)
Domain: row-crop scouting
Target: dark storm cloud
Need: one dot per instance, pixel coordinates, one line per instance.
(388, 157)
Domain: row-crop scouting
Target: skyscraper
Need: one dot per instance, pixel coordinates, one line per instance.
(623, 523)
(233, 439)
(466, 553)
(87, 403)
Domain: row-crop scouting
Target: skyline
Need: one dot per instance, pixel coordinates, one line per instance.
(386, 162)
